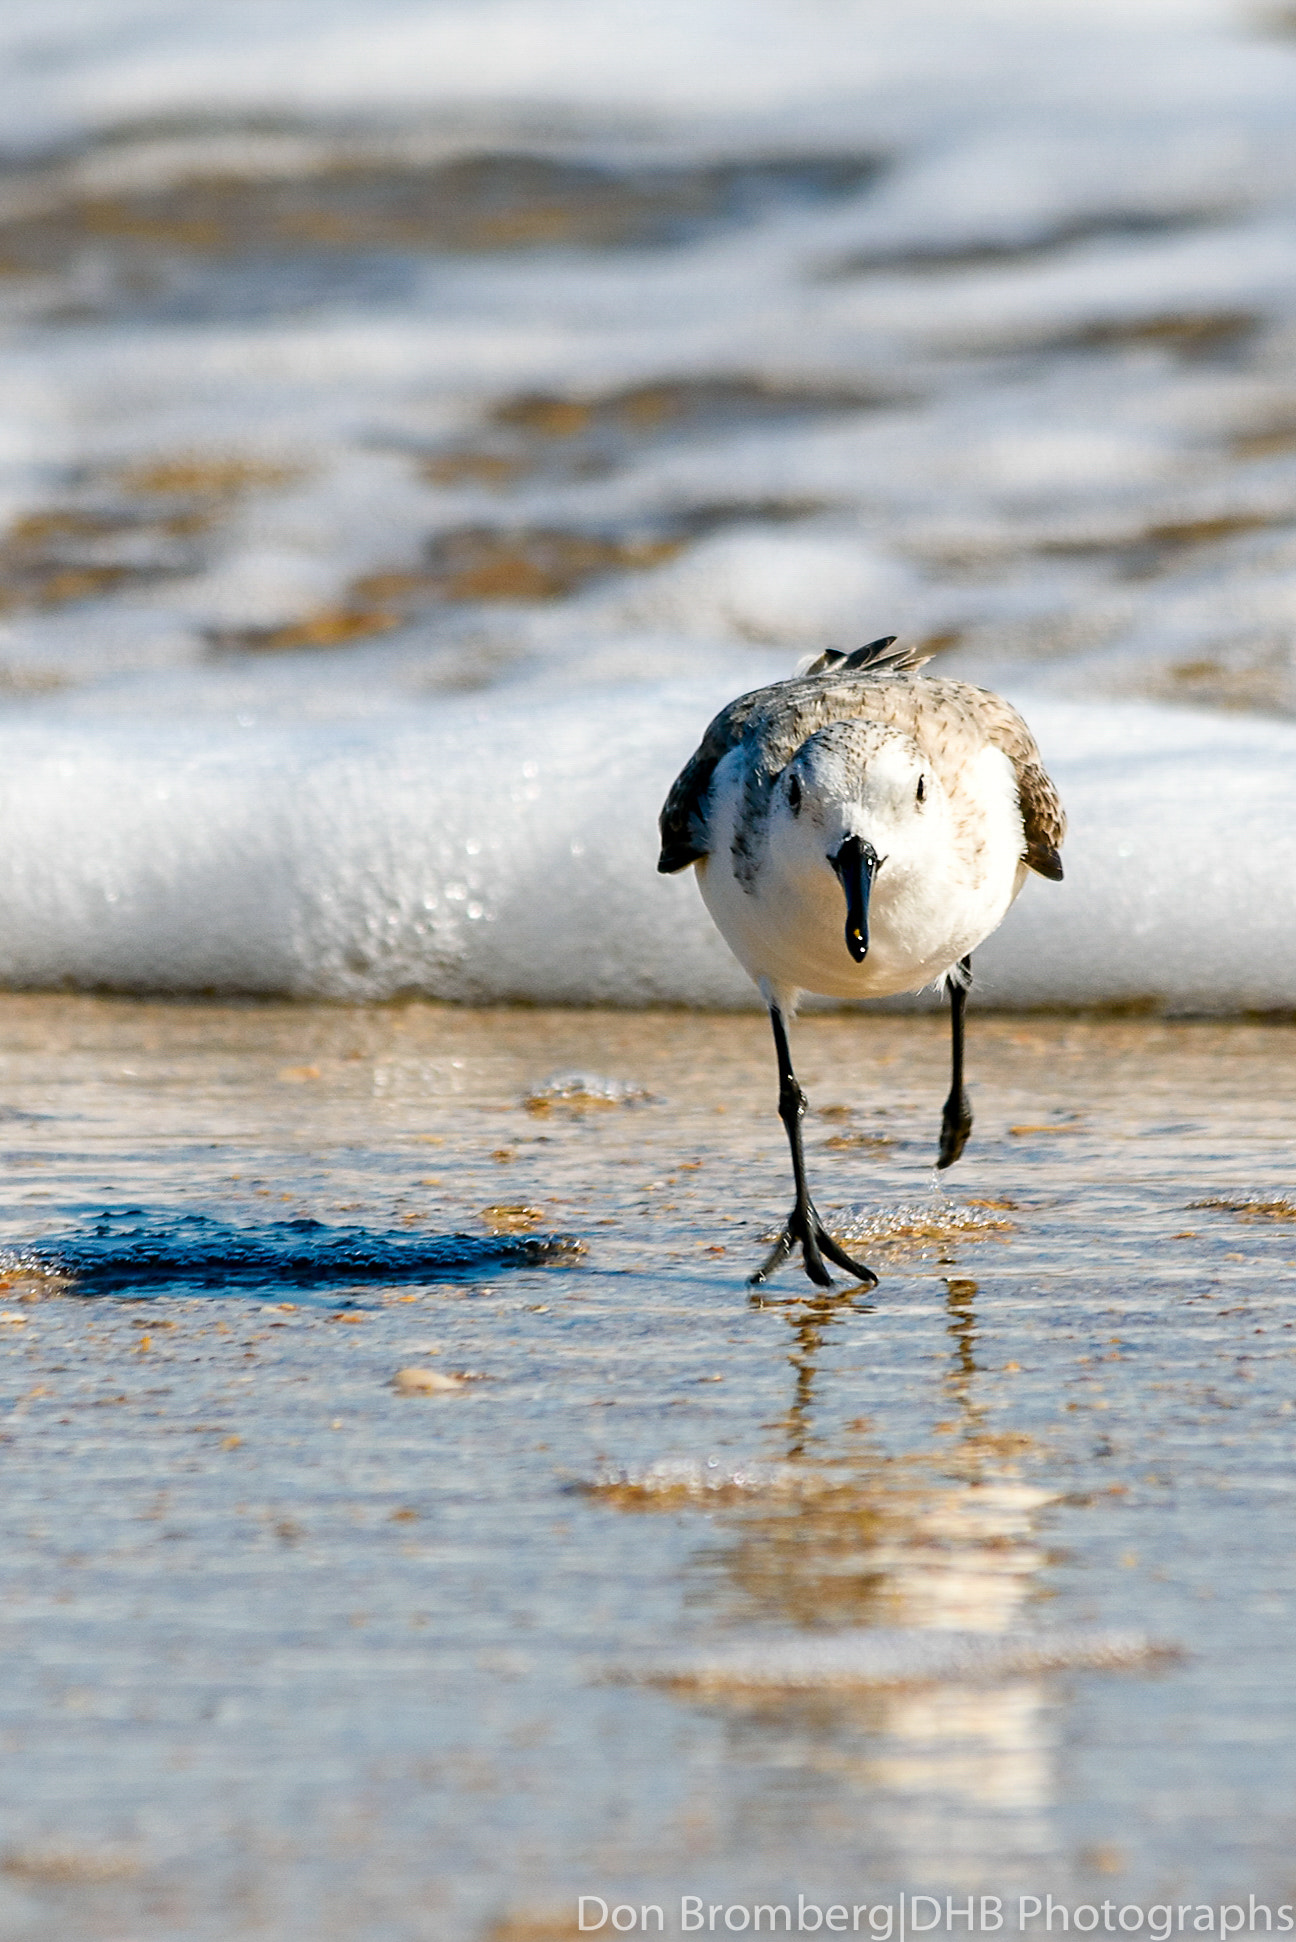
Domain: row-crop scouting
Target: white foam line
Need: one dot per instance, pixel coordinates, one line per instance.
(902, 1658)
(509, 856)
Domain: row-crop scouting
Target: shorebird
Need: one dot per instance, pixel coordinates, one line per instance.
(920, 802)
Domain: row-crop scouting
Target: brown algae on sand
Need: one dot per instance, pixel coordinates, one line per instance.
(512, 1218)
(369, 197)
(130, 527)
(593, 434)
(1252, 1207)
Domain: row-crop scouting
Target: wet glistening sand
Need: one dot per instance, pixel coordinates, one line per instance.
(291, 1653)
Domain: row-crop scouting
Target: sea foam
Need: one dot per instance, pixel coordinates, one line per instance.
(509, 855)
(1018, 388)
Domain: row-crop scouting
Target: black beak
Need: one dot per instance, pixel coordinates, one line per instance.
(857, 863)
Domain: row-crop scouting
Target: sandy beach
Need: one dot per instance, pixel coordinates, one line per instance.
(292, 1652)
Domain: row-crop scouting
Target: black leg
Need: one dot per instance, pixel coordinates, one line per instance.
(804, 1226)
(956, 1120)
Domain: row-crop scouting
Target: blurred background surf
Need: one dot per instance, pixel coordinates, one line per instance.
(415, 419)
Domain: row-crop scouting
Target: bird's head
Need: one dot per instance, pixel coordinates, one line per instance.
(857, 800)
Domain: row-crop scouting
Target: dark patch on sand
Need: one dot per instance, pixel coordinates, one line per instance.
(1187, 334)
(128, 527)
(590, 435)
(1000, 252)
(357, 218)
(470, 565)
(135, 1249)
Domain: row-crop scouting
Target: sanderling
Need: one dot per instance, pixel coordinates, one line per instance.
(923, 801)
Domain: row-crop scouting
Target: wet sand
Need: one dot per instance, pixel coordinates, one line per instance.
(293, 1651)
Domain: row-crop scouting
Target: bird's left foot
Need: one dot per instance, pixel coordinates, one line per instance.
(806, 1230)
(956, 1124)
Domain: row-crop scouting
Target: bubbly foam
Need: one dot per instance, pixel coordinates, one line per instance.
(288, 703)
(878, 1658)
(509, 855)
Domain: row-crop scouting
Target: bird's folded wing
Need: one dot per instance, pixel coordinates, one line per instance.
(1043, 817)
(683, 820)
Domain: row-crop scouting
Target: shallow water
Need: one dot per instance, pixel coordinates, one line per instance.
(292, 1653)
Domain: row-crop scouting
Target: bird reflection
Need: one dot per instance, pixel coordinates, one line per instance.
(959, 1298)
(860, 1536)
(810, 1321)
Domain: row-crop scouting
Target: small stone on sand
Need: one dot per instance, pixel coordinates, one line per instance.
(424, 1382)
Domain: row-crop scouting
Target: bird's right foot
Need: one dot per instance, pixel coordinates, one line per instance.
(956, 1124)
(806, 1230)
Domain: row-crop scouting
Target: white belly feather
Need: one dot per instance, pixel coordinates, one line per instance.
(928, 909)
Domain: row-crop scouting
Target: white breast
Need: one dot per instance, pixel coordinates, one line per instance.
(935, 898)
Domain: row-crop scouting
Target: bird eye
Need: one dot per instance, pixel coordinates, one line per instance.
(794, 794)
(922, 788)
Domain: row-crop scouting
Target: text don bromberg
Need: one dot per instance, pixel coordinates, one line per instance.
(939, 1915)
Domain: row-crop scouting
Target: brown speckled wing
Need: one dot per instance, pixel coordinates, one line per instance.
(950, 721)
(1043, 817)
